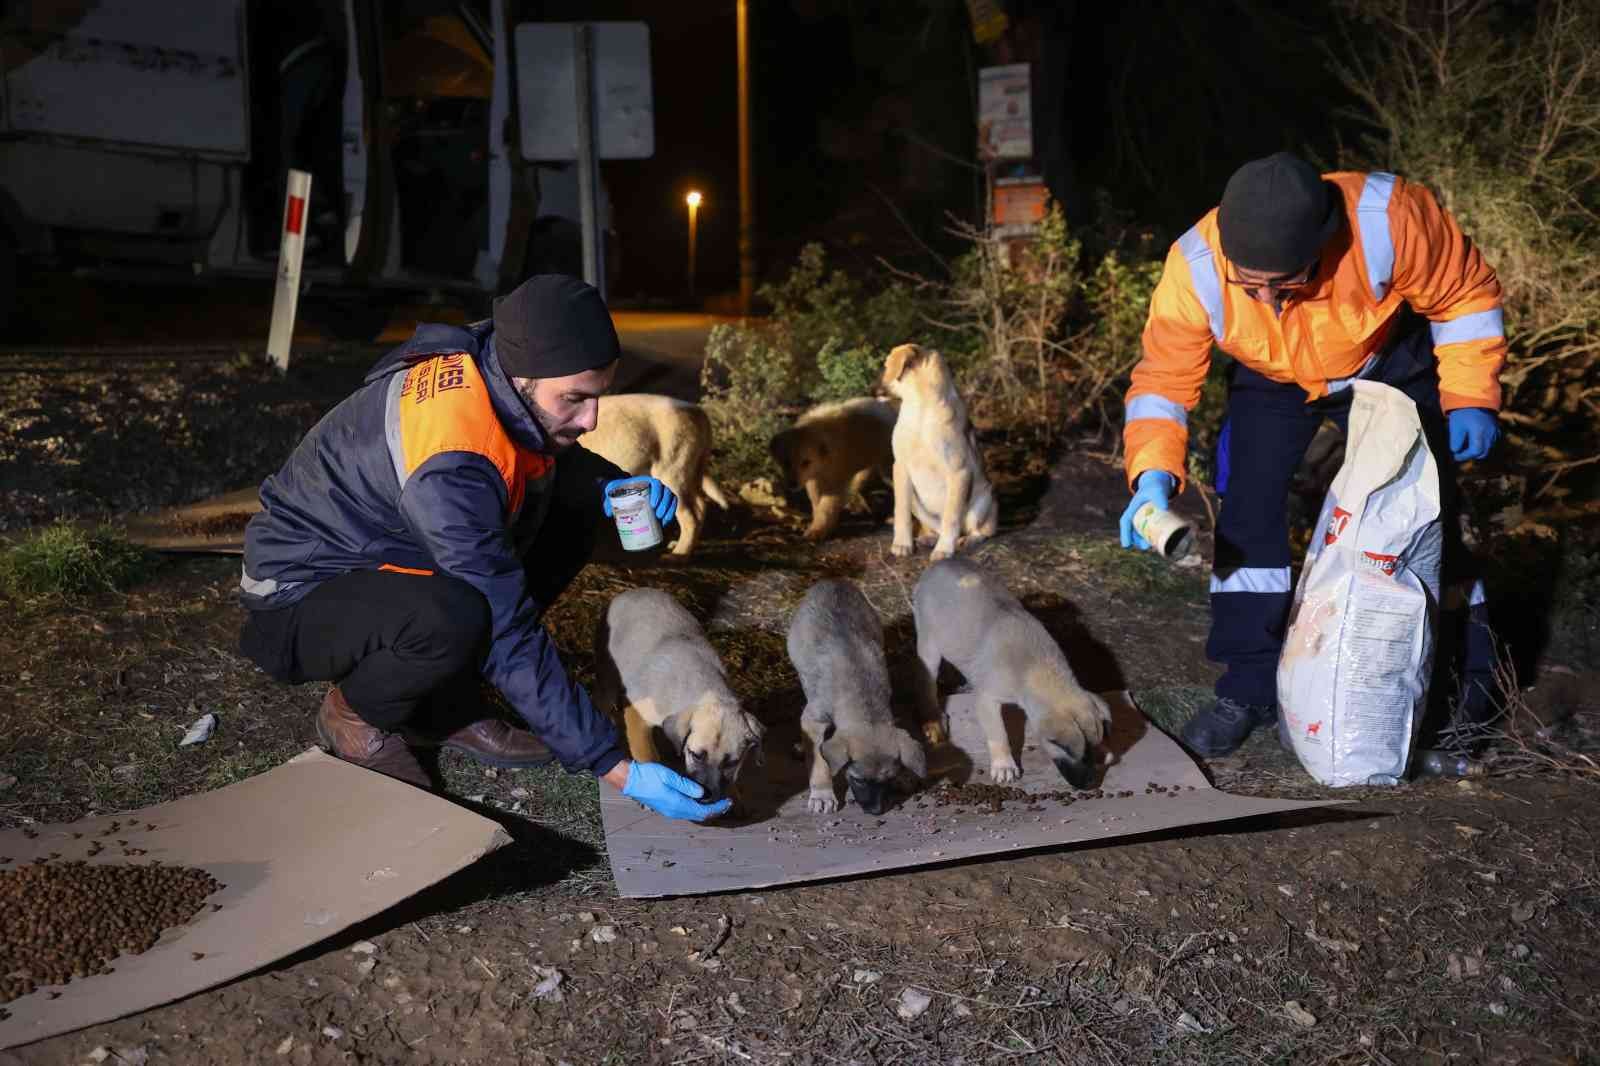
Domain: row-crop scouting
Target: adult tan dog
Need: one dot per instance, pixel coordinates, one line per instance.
(831, 451)
(938, 470)
(667, 439)
(654, 668)
(967, 618)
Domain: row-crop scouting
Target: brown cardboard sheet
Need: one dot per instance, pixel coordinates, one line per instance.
(304, 850)
(214, 526)
(779, 842)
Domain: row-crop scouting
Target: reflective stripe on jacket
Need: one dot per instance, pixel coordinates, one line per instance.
(1398, 247)
(435, 464)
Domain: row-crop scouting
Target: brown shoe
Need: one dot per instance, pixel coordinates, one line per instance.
(349, 737)
(489, 741)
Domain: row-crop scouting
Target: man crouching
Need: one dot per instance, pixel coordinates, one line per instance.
(418, 533)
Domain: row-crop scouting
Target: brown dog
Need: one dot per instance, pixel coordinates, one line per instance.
(831, 451)
(938, 470)
(667, 439)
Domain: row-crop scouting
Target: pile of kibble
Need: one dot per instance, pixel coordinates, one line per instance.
(70, 919)
(995, 797)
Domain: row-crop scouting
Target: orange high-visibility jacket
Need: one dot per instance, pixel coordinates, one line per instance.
(1398, 247)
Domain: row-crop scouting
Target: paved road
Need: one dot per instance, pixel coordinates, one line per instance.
(103, 319)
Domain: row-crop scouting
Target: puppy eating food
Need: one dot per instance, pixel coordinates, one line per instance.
(831, 451)
(967, 618)
(836, 644)
(654, 667)
(667, 439)
(938, 470)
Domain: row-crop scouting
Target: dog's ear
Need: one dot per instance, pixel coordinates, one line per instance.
(752, 743)
(901, 359)
(912, 756)
(835, 752)
(677, 728)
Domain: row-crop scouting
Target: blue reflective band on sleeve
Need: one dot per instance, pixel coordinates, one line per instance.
(1149, 406)
(1203, 269)
(1377, 244)
(1479, 326)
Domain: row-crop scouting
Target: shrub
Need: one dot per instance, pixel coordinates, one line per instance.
(750, 390)
(1496, 107)
(64, 560)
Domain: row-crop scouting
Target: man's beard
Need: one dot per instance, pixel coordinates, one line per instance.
(556, 442)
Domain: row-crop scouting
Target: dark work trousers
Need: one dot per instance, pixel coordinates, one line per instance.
(1269, 426)
(396, 642)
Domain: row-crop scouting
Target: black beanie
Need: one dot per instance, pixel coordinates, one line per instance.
(1276, 214)
(553, 325)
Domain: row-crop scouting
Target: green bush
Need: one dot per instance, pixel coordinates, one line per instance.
(750, 390)
(844, 373)
(1497, 110)
(64, 560)
(826, 340)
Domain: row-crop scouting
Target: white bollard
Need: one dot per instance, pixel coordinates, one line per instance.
(296, 209)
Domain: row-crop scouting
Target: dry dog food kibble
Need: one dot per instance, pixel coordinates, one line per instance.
(70, 919)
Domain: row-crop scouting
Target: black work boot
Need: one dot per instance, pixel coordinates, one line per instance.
(1221, 728)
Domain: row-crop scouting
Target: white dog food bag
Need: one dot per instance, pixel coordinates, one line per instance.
(1353, 677)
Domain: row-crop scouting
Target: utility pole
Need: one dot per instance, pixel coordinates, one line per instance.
(747, 205)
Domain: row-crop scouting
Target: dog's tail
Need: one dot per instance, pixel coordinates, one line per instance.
(713, 491)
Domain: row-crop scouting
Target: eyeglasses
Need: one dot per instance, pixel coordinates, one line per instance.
(1287, 284)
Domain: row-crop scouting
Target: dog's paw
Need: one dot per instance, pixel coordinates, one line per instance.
(815, 533)
(901, 548)
(1003, 773)
(822, 802)
(971, 540)
(942, 552)
(935, 733)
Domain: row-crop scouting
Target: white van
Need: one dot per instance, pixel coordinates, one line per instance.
(138, 136)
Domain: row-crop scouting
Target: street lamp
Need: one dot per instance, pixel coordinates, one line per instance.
(693, 200)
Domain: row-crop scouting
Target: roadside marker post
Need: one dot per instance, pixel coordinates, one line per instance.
(291, 252)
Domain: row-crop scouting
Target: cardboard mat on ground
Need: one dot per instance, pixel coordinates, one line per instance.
(780, 842)
(304, 851)
(215, 526)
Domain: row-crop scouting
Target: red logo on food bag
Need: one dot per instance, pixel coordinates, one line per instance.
(1313, 729)
(1336, 524)
(1384, 564)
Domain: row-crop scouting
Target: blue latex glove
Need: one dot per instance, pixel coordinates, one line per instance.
(663, 501)
(1473, 431)
(667, 792)
(1153, 486)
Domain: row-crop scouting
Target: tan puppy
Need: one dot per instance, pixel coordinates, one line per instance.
(654, 668)
(938, 470)
(967, 618)
(836, 644)
(667, 439)
(831, 451)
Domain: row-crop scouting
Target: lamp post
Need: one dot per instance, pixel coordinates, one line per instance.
(693, 200)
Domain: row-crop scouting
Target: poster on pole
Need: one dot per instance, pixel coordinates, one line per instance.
(1005, 119)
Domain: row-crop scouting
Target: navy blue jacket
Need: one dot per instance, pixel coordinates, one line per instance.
(431, 465)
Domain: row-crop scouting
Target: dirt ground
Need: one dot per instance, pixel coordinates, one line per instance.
(1439, 920)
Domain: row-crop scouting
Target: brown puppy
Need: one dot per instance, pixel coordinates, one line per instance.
(938, 470)
(831, 451)
(667, 439)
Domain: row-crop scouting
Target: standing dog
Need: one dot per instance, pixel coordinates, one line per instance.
(970, 620)
(654, 667)
(832, 450)
(836, 644)
(667, 439)
(938, 471)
